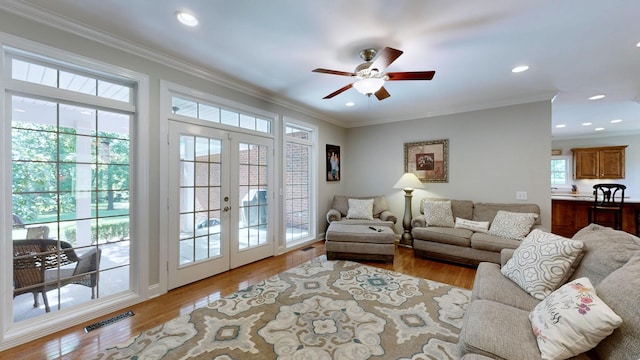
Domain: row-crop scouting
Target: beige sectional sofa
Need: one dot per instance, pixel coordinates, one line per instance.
(497, 323)
(463, 245)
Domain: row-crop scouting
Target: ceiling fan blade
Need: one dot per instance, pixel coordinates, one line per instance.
(339, 91)
(385, 58)
(412, 75)
(333, 72)
(382, 93)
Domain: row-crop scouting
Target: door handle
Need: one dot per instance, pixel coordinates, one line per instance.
(226, 208)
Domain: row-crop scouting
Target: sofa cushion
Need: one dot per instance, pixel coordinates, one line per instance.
(438, 213)
(444, 235)
(477, 226)
(605, 250)
(572, 320)
(541, 262)
(512, 225)
(490, 284)
(341, 203)
(459, 208)
(490, 242)
(360, 209)
(497, 331)
(488, 211)
(621, 291)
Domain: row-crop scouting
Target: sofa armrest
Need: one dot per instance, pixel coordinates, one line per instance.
(333, 215)
(388, 216)
(418, 221)
(505, 255)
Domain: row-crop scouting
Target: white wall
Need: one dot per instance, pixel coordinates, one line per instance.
(492, 154)
(632, 160)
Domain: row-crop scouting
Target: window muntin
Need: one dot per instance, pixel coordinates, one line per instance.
(35, 72)
(210, 112)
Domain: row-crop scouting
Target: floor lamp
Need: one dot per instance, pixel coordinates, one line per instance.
(407, 182)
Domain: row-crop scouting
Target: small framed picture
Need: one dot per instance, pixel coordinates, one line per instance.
(333, 163)
(428, 160)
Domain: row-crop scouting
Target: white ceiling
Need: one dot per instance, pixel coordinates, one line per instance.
(575, 49)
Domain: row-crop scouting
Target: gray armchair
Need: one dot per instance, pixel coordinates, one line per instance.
(38, 267)
(381, 214)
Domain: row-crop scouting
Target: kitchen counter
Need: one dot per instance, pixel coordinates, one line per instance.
(570, 213)
(587, 197)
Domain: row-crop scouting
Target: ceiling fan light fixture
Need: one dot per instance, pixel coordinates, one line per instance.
(368, 86)
(187, 19)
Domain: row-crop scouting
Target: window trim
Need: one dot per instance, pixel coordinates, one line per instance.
(313, 175)
(12, 334)
(568, 171)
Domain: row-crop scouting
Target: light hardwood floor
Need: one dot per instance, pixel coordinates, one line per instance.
(74, 343)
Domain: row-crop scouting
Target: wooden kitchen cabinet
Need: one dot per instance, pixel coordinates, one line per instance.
(599, 162)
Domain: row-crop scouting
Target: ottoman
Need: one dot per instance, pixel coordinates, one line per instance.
(360, 242)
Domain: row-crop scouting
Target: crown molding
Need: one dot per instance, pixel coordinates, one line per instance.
(41, 16)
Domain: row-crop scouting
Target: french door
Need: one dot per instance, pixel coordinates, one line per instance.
(220, 201)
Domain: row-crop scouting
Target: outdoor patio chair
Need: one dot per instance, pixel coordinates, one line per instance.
(39, 266)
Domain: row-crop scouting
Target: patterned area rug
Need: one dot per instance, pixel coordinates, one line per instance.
(318, 310)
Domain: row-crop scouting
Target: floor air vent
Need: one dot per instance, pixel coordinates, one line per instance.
(308, 248)
(109, 321)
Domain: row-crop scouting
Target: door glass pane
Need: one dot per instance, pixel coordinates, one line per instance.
(200, 179)
(253, 195)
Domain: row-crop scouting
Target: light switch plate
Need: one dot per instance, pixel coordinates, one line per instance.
(521, 195)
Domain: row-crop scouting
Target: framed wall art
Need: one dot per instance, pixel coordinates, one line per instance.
(333, 162)
(428, 160)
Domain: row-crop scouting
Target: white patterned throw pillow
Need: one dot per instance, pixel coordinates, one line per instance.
(512, 225)
(572, 320)
(438, 213)
(477, 226)
(360, 209)
(542, 262)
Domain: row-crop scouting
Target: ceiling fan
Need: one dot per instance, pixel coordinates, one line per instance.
(370, 74)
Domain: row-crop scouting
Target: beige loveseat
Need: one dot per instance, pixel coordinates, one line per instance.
(497, 325)
(463, 245)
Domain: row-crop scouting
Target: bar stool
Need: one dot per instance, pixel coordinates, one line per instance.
(607, 200)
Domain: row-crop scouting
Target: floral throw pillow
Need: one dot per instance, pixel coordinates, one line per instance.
(512, 225)
(360, 209)
(572, 320)
(541, 262)
(438, 213)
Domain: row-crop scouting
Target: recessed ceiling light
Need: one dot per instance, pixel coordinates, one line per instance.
(587, 124)
(616, 121)
(597, 97)
(519, 69)
(186, 18)
(561, 126)
(598, 129)
(19, 110)
(350, 103)
(638, 44)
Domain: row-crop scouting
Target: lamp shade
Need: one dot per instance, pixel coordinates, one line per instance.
(368, 85)
(408, 181)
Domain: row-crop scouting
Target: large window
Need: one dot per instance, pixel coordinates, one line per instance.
(70, 174)
(298, 174)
